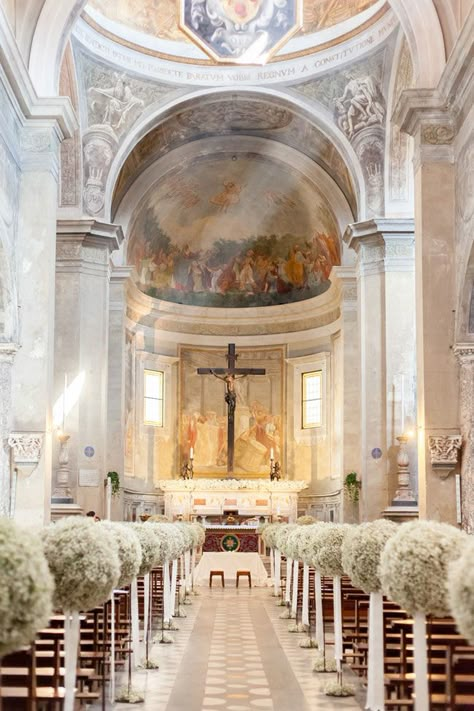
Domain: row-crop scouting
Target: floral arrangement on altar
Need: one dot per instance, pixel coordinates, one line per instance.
(84, 561)
(414, 565)
(26, 587)
(150, 546)
(361, 552)
(461, 591)
(233, 484)
(129, 550)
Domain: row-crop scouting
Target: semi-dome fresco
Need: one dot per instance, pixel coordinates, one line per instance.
(234, 231)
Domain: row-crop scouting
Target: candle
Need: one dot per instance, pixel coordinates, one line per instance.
(402, 398)
(191, 453)
(278, 510)
(271, 453)
(64, 400)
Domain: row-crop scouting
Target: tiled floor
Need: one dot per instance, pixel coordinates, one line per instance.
(233, 652)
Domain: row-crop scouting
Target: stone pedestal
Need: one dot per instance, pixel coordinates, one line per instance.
(386, 296)
(82, 348)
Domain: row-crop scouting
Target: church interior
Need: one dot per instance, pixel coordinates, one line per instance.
(236, 354)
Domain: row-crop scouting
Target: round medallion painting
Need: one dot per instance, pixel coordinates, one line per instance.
(234, 231)
(230, 543)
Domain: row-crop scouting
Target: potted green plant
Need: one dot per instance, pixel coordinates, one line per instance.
(352, 487)
(115, 482)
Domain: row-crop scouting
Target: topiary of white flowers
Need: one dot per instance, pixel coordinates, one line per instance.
(461, 591)
(327, 548)
(129, 550)
(150, 546)
(281, 537)
(84, 561)
(306, 535)
(187, 533)
(305, 520)
(296, 540)
(361, 552)
(269, 534)
(414, 563)
(171, 541)
(26, 587)
(199, 533)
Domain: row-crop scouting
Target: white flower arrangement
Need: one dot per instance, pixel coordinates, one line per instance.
(327, 548)
(187, 533)
(129, 550)
(231, 484)
(281, 537)
(199, 533)
(158, 518)
(149, 545)
(84, 561)
(333, 688)
(414, 563)
(298, 541)
(269, 534)
(361, 552)
(323, 665)
(305, 542)
(461, 591)
(129, 696)
(26, 587)
(305, 520)
(171, 542)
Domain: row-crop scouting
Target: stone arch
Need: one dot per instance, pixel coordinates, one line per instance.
(419, 20)
(297, 104)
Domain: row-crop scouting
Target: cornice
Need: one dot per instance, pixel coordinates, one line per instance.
(91, 233)
(24, 99)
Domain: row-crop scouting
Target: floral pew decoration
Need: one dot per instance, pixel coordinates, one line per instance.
(26, 587)
(461, 591)
(269, 535)
(361, 553)
(84, 561)
(282, 534)
(304, 550)
(413, 571)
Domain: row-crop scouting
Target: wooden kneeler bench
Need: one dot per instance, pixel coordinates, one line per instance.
(216, 574)
(243, 574)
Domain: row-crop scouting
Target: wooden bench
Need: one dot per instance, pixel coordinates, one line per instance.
(216, 574)
(243, 574)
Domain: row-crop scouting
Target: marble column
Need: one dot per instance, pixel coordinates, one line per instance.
(386, 295)
(117, 371)
(7, 355)
(82, 350)
(346, 349)
(429, 122)
(35, 257)
(465, 355)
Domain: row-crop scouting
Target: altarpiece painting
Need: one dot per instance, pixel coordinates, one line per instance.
(258, 414)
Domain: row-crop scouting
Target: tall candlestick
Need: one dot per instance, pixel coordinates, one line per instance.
(191, 453)
(271, 453)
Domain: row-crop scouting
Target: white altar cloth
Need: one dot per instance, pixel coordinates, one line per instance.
(230, 563)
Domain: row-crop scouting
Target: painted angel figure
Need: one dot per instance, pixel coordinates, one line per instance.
(116, 101)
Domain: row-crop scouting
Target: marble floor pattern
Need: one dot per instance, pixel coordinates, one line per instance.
(233, 652)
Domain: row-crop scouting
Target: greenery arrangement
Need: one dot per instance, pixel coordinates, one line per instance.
(115, 482)
(352, 487)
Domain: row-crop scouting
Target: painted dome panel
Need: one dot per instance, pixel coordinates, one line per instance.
(232, 231)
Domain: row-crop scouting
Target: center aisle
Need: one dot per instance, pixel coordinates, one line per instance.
(233, 652)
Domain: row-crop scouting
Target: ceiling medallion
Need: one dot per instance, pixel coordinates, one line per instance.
(240, 31)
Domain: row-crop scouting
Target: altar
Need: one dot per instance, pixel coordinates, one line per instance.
(257, 499)
(230, 563)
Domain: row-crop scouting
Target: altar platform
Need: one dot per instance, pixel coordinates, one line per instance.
(188, 498)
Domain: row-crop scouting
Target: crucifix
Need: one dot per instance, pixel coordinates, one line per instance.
(229, 375)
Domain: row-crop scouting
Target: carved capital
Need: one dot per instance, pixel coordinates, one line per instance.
(27, 447)
(464, 352)
(444, 451)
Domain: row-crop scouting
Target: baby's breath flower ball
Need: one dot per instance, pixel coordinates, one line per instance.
(84, 561)
(26, 587)
(305, 520)
(414, 563)
(150, 546)
(186, 532)
(461, 591)
(129, 550)
(269, 534)
(199, 533)
(305, 541)
(327, 548)
(282, 537)
(361, 552)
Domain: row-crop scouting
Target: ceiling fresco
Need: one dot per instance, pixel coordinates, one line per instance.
(233, 231)
(237, 117)
(159, 18)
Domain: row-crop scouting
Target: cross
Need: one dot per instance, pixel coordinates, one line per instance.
(229, 375)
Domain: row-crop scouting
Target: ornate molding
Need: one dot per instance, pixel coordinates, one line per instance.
(436, 134)
(444, 451)
(464, 352)
(27, 448)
